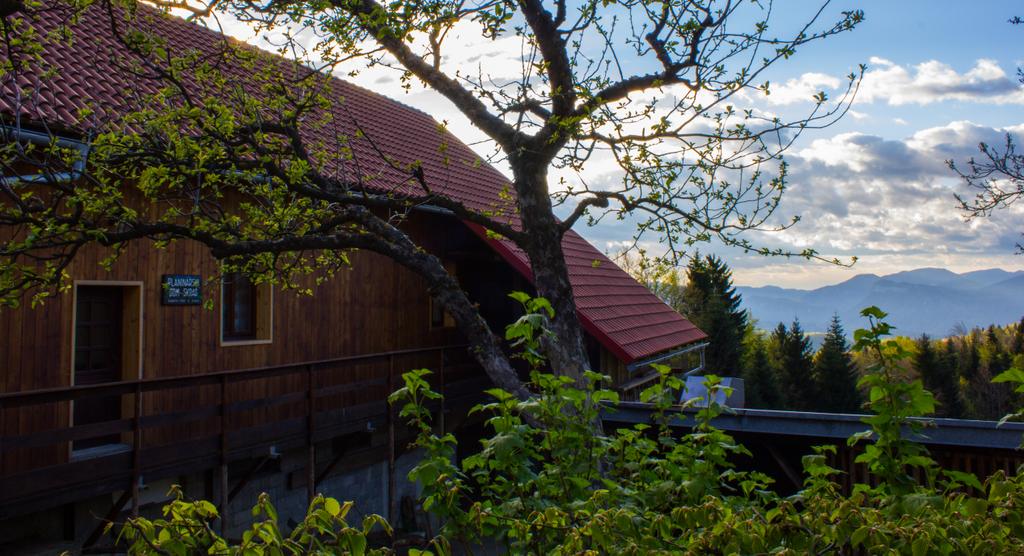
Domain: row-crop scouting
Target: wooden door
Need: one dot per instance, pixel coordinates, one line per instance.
(98, 356)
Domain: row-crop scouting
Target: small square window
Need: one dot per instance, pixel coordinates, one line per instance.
(439, 318)
(245, 310)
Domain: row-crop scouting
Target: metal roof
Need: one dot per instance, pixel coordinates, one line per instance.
(623, 315)
(832, 426)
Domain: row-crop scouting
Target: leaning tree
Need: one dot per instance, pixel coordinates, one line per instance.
(230, 151)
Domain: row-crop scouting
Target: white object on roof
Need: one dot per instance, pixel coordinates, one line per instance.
(694, 388)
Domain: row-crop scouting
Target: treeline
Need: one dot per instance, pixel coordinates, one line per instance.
(960, 369)
(781, 370)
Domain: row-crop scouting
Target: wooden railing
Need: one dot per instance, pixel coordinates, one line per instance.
(304, 404)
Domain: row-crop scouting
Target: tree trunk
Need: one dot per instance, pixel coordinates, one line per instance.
(485, 346)
(566, 354)
(383, 238)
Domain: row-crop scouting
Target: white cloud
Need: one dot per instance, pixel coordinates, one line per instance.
(934, 81)
(802, 89)
(889, 200)
(921, 84)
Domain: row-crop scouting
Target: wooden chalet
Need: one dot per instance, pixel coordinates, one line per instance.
(126, 383)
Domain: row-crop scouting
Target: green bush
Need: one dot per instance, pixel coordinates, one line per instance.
(186, 529)
(544, 482)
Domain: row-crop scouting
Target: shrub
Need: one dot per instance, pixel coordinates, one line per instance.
(545, 483)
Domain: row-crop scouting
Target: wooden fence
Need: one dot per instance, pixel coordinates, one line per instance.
(318, 404)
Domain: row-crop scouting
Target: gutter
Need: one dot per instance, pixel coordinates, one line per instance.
(37, 138)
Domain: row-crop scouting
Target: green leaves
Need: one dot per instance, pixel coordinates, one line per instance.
(542, 482)
(1014, 376)
(526, 332)
(186, 529)
(897, 405)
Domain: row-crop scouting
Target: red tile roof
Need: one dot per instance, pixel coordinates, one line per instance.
(624, 316)
(628, 320)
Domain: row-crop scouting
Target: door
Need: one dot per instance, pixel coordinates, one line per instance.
(98, 356)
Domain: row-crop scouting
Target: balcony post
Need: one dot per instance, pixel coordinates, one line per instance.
(136, 448)
(311, 446)
(391, 440)
(224, 485)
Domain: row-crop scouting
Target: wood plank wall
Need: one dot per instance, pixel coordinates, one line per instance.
(376, 306)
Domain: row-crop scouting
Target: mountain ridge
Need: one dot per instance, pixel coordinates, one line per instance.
(933, 301)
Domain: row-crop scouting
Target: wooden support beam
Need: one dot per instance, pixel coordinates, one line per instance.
(136, 449)
(391, 443)
(224, 484)
(792, 475)
(68, 519)
(330, 466)
(310, 444)
(245, 478)
(115, 509)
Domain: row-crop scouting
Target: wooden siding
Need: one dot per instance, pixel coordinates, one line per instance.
(376, 306)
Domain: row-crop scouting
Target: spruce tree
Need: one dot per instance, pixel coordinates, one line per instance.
(971, 376)
(939, 376)
(711, 303)
(1018, 338)
(835, 373)
(952, 398)
(998, 359)
(761, 388)
(794, 367)
(970, 358)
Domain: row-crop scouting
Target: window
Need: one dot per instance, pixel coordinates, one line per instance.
(245, 310)
(439, 318)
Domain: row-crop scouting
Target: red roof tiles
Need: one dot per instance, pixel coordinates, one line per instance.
(629, 320)
(623, 315)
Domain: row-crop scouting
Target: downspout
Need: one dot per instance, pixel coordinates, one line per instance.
(37, 138)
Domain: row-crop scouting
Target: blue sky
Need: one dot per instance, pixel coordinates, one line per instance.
(941, 77)
(909, 33)
(924, 97)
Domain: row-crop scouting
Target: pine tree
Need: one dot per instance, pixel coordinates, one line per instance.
(835, 373)
(939, 377)
(970, 358)
(794, 367)
(998, 359)
(1018, 338)
(711, 303)
(952, 396)
(761, 388)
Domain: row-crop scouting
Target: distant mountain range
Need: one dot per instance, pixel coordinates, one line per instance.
(932, 301)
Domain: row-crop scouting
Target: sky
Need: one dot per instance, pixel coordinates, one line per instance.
(941, 77)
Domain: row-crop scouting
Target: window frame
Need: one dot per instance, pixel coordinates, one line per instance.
(262, 307)
(437, 317)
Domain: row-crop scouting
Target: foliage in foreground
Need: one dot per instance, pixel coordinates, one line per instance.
(547, 485)
(186, 528)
